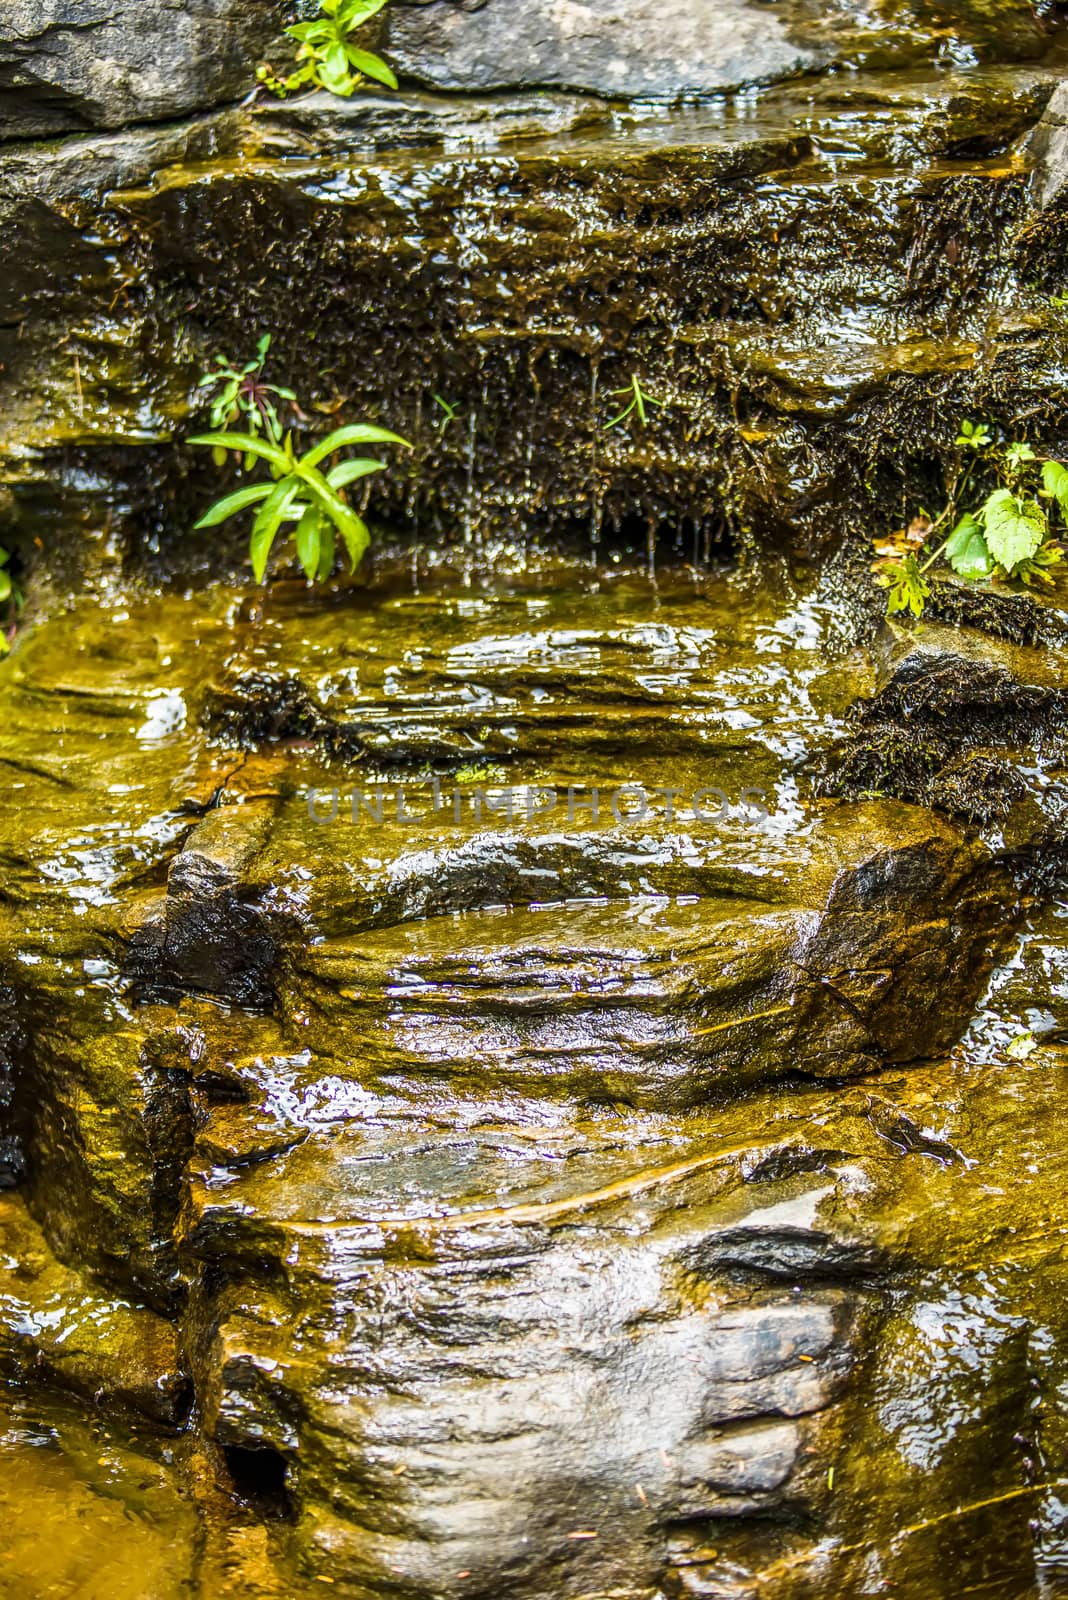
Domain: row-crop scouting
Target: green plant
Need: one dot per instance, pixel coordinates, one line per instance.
(327, 57)
(243, 394)
(302, 494)
(1007, 534)
(449, 413)
(639, 400)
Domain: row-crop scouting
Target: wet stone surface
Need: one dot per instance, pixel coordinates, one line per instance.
(77, 64)
(673, 48)
(418, 1184)
(818, 282)
(560, 1205)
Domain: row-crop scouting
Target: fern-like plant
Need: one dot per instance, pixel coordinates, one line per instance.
(327, 58)
(242, 395)
(303, 495)
(639, 399)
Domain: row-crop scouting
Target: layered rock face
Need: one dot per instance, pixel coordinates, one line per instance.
(481, 1085)
(524, 1190)
(815, 292)
(667, 49)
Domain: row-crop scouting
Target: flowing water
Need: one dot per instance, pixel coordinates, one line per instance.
(525, 1187)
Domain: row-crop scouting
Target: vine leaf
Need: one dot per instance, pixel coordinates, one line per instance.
(966, 550)
(907, 585)
(1055, 482)
(1015, 528)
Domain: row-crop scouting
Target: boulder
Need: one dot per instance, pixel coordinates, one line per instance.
(1048, 146)
(973, 725)
(663, 49)
(68, 65)
(627, 48)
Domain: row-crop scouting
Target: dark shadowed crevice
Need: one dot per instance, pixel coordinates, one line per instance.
(260, 1478)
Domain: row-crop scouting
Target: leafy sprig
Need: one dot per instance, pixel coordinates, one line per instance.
(241, 395)
(639, 398)
(449, 413)
(327, 58)
(301, 494)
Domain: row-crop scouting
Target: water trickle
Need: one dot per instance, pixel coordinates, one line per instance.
(412, 496)
(596, 485)
(698, 540)
(470, 507)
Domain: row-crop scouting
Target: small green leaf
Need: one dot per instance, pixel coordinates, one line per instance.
(5, 586)
(335, 63)
(265, 529)
(354, 433)
(308, 541)
(327, 552)
(1039, 567)
(356, 537)
(966, 550)
(245, 444)
(1055, 483)
(974, 436)
(908, 587)
(352, 528)
(240, 500)
(349, 471)
(1015, 528)
(356, 12)
(371, 66)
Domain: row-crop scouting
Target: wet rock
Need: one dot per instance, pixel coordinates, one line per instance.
(1048, 147)
(683, 47)
(402, 1434)
(254, 708)
(109, 1133)
(611, 48)
(729, 249)
(825, 980)
(960, 721)
(55, 1326)
(13, 1045)
(208, 936)
(403, 1454)
(481, 1161)
(1021, 617)
(74, 66)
